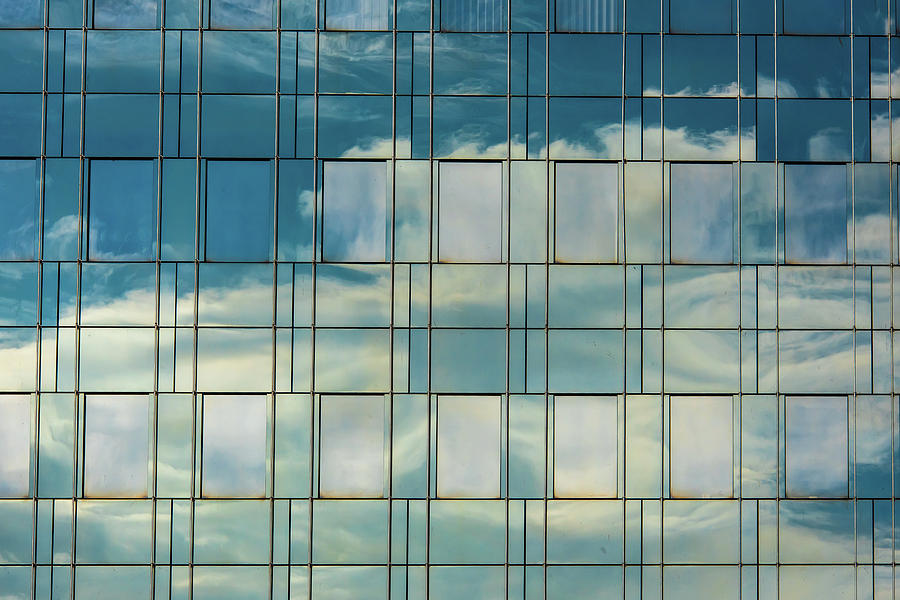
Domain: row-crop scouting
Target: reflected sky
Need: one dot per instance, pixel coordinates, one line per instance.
(116, 446)
(585, 446)
(122, 210)
(587, 210)
(702, 205)
(470, 212)
(234, 445)
(126, 14)
(15, 445)
(816, 207)
(355, 211)
(468, 446)
(240, 14)
(701, 451)
(816, 455)
(17, 185)
(351, 446)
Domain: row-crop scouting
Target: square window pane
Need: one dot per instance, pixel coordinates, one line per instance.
(242, 14)
(588, 15)
(816, 207)
(702, 209)
(239, 208)
(234, 446)
(116, 446)
(355, 211)
(585, 446)
(816, 440)
(358, 14)
(470, 212)
(122, 210)
(351, 438)
(468, 446)
(587, 212)
(18, 209)
(473, 15)
(15, 445)
(120, 125)
(701, 447)
(126, 14)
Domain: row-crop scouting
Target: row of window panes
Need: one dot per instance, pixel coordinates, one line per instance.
(464, 64)
(689, 16)
(470, 214)
(353, 433)
(350, 295)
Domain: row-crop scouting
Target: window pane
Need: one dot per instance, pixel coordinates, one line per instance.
(126, 14)
(351, 447)
(585, 446)
(18, 209)
(242, 14)
(816, 450)
(473, 15)
(815, 213)
(21, 13)
(702, 210)
(812, 16)
(121, 124)
(122, 61)
(588, 15)
(355, 211)
(701, 447)
(587, 211)
(122, 210)
(15, 445)
(701, 16)
(116, 445)
(470, 206)
(701, 65)
(234, 446)
(357, 14)
(468, 446)
(239, 208)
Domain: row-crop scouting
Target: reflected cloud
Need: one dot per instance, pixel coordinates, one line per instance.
(117, 446)
(351, 440)
(468, 446)
(816, 455)
(701, 531)
(234, 446)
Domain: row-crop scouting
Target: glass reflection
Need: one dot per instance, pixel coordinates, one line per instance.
(468, 446)
(470, 204)
(15, 445)
(816, 463)
(351, 446)
(234, 446)
(122, 210)
(701, 452)
(587, 210)
(585, 446)
(116, 446)
(126, 14)
(355, 211)
(815, 207)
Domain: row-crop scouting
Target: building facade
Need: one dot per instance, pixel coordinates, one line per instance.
(448, 299)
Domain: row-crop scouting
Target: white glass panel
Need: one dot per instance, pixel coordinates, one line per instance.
(701, 463)
(116, 445)
(351, 447)
(468, 446)
(585, 452)
(470, 212)
(15, 445)
(234, 446)
(587, 210)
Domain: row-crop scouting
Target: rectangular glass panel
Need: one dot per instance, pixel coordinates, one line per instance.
(468, 446)
(816, 453)
(122, 210)
(351, 447)
(239, 207)
(234, 446)
(701, 451)
(585, 446)
(358, 14)
(587, 212)
(355, 211)
(816, 201)
(470, 207)
(116, 446)
(15, 445)
(588, 15)
(702, 211)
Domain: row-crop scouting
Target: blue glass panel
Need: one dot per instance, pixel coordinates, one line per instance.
(239, 208)
(242, 14)
(126, 14)
(122, 223)
(18, 209)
